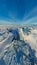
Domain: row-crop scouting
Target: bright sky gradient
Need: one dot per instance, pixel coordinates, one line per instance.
(18, 11)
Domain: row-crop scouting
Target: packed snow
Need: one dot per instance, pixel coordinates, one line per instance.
(18, 45)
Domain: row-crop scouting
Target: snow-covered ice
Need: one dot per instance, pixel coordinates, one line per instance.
(18, 45)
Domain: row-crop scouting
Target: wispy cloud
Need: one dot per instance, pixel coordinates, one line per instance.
(4, 22)
(31, 14)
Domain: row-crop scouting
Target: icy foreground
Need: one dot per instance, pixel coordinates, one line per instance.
(18, 46)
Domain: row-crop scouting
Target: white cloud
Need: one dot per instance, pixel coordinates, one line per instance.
(32, 13)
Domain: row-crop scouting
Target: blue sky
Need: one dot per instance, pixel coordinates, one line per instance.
(18, 11)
